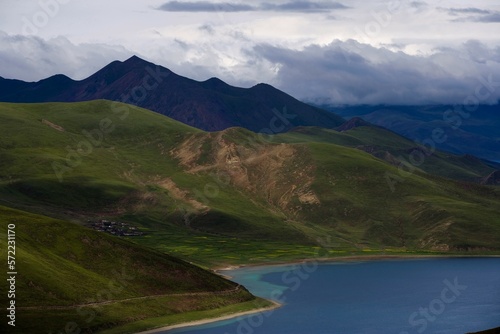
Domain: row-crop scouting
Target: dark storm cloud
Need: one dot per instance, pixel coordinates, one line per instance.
(204, 6)
(303, 6)
(470, 10)
(292, 6)
(493, 17)
(353, 73)
(472, 14)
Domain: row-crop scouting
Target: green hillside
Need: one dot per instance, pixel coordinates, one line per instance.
(72, 276)
(475, 133)
(394, 149)
(130, 172)
(215, 199)
(234, 196)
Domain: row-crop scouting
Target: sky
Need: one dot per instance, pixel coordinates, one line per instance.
(337, 52)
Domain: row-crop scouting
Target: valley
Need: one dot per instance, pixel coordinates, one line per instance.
(168, 177)
(250, 167)
(178, 202)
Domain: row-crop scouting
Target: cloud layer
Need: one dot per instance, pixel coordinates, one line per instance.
(204, 6)
(353, 52)
(293, 6)
(338, 73)
(354, 73)
(473, 14)
(32, 58)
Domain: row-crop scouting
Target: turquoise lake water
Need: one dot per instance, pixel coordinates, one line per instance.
(445, 296)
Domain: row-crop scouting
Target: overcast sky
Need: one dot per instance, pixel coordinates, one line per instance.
(352, 51)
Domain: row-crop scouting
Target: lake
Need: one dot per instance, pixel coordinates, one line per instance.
(446, 296)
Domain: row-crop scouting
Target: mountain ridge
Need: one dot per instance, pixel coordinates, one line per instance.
(474, 132)
(210, 105)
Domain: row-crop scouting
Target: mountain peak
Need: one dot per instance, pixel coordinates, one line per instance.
(354, 122)
(212, 105)
(215, 83)
(214, 80)
(262, 86)
(134, 59)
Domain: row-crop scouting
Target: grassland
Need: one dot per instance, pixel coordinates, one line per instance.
(72, 276)
(393, 148)
(194, 317)
(248, 196)
(213, 199)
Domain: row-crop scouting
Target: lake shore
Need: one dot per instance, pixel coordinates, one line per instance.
(274, 305)
(339, 259)
(349, 258)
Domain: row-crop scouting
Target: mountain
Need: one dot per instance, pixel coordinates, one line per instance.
(397, 150)
(210, 105)
(211, 198)
(235, 196)
(472, 132)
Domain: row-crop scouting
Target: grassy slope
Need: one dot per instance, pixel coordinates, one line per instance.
(263, 212)
(475, 133)
(124, 175)
(422, 212)
(258, 216)
(63, 264)
(379, 142)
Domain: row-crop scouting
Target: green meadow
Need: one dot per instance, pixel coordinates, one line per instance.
(209, 200)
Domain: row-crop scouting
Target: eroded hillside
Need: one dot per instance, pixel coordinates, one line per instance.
(282, 174)
(236, 185)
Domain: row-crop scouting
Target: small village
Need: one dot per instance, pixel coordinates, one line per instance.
(115, 228)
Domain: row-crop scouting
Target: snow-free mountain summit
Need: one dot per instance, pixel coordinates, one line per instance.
(211, 105)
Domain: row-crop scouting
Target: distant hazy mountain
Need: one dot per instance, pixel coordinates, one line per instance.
(210, 105)
(476, 133)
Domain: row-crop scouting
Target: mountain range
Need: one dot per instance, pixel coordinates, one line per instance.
(213, 105)
(470, 130)
(213, 176)
(210, 105)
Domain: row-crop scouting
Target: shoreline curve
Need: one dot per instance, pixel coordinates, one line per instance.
(274, 306)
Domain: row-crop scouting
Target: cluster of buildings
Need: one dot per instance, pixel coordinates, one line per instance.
(115, 228)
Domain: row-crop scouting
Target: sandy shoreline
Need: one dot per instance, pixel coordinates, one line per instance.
(349, 258)
(211, 320)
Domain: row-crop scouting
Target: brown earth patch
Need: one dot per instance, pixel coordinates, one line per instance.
(279, 173)
(53, 126)
(180, 194)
